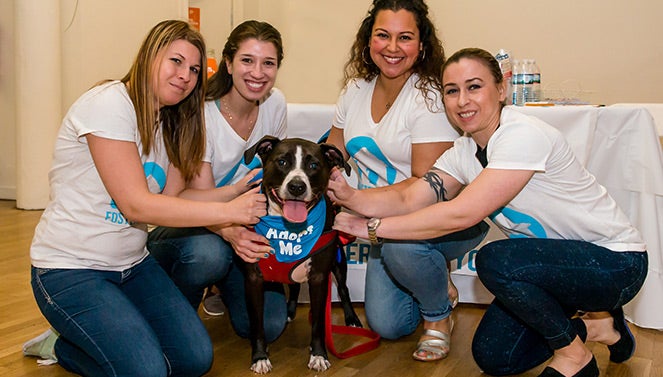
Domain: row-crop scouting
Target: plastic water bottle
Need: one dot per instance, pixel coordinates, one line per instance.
(528, 81)
(517, 81)
(504, 59)
(536, 83)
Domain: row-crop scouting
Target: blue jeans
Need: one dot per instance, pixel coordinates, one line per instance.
(539, 284)
(129, 323)
(196, 258)
(407, 280)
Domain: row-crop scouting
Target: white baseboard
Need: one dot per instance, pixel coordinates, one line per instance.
(8, 192)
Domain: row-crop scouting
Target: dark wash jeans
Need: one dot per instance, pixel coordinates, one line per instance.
(129, 323)
(539, 284)
(194, 258)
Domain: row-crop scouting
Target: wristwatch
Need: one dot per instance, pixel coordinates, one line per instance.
(373, 224)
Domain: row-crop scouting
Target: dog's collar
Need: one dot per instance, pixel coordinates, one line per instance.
(275, 271)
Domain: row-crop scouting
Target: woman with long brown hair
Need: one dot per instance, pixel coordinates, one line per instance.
(124, 151)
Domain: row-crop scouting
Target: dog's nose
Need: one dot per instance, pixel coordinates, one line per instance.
(296, 187)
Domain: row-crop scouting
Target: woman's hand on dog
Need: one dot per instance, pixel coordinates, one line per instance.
(251, 180)
(249, 207)
(249, 245)
(338, 190)
(351, 224)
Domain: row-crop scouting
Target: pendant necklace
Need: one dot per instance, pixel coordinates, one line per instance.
(226, 110)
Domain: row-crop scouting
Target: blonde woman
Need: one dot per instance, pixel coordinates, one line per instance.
(124, 150)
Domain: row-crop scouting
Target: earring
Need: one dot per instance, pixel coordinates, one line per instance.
(423, 55)
(363, 56)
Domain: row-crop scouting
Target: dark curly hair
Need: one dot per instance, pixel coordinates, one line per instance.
(428, 67)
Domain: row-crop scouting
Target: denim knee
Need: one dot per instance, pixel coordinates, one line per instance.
(197, 260)
(386, 328)
(488, 365)
(210, 256)
(151, 363)
(485, 361)
(488, 266)
(199, 362)
(392, 323)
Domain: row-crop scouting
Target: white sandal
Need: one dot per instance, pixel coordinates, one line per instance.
(452, 292)
(433, 349)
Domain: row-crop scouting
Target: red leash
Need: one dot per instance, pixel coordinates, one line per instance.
(330, 329)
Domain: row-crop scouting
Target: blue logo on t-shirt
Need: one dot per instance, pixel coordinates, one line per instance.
(151, 169)
(255, 163)
(522, 225)
(359, 143)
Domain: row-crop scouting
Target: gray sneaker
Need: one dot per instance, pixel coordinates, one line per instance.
(42, 347)
(213, 305)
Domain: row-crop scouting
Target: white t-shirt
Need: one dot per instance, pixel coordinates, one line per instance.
(81, 226)
(225, 148)
(561, 201)
(383, 151)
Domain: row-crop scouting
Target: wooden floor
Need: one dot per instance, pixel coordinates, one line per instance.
(20, 320)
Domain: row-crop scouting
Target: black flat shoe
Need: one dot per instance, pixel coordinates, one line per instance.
(625, 346)
(589, 370)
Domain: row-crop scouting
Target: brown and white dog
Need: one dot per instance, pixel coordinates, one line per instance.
(295, 177)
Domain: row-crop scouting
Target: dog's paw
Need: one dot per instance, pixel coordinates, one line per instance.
(318, 363)
(353, 321)
(262, 366)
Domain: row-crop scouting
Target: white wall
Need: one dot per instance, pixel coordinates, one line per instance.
(7, 102)
(99, 40)
(215, 20)
(611, 49)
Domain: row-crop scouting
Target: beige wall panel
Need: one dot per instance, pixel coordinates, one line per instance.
(610, 49)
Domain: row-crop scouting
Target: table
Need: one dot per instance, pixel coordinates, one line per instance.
(618, 144)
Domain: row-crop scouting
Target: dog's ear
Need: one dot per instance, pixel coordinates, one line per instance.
(262, 148)
(335, 156)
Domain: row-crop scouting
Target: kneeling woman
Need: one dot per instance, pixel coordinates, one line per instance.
(570, 248)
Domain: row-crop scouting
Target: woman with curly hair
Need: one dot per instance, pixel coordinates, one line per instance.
(390, 120)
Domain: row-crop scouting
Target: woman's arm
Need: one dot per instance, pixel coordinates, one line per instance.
(120, 169)
(398, 199)
(336, 139)
(202, 187)
(491, 190)
(424, 155)
(248, 245)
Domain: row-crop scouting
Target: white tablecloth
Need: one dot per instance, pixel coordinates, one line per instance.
(618, 144)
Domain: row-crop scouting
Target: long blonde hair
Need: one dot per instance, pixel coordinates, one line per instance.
(183, 124)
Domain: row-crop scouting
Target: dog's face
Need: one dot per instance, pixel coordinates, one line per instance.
(295, 174)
